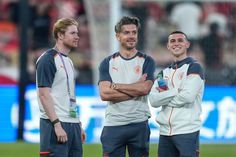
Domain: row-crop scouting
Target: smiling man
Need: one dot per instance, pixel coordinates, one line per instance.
(179, 118)
(125, 79)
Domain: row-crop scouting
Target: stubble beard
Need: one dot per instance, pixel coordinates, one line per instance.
(70, 45)
(127, 47)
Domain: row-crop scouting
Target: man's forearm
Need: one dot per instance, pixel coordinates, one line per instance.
(115, 96)
(188, 93)
(118, 97)
(48, 104)
(134, 89)
(158, 99)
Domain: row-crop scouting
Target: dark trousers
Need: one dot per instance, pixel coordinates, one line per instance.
(50, 147)
(135, 137)
(183, 145)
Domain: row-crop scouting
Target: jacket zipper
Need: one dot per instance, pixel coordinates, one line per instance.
(172, 109)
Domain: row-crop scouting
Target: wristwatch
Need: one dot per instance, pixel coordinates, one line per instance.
(113, 86)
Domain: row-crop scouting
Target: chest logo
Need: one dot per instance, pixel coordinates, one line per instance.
(114, 68)
(137, 69)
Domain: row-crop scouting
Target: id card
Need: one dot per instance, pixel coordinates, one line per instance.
(73, 108)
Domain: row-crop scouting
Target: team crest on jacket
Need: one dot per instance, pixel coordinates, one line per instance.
(137, 69)
(115, 69)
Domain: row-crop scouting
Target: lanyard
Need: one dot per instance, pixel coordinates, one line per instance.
(67, 76)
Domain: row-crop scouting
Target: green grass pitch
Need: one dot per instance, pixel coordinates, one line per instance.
(21, 149)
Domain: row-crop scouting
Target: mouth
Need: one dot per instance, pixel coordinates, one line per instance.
(176, 48)
(131, 41)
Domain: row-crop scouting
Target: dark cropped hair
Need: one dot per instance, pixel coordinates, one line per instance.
(179, 32)
(127, 20)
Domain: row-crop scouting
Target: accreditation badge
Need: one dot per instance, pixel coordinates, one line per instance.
(73, 108)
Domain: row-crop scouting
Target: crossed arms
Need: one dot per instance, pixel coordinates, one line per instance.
(122, 92)
(177, 97)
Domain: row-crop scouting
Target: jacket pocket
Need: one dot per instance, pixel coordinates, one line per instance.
(181, 117)
(162, 117)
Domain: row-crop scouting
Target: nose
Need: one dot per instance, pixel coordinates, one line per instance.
(77, 36)
(176, 43)
(132, 35)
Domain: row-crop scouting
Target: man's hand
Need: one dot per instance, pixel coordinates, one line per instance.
(143, 78)
(83, 135)
(160, 89)
(60, 133)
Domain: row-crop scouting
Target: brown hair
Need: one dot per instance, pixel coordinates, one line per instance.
(61, 25)
(127, 20)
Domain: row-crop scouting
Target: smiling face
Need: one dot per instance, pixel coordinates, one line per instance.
(128, 36)
(178, 45)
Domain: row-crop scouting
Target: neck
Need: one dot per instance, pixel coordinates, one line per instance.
(62, 49)
(176, 59)
(128, 53)
(181, 57)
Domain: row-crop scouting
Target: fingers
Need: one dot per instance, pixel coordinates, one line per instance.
(62, 139)
(145, 75)
(61, 134)
(143, 78)
(83, 136)
(160, 89)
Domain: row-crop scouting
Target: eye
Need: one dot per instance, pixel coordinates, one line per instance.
(172, 40)
(134, 32)
(125, 32)
(75, 33)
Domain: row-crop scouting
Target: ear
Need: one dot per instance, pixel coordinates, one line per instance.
(118, 36)
(188, 44)
(167, 45)
(60, 35)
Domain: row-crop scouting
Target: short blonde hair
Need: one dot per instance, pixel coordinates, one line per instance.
(61, 25)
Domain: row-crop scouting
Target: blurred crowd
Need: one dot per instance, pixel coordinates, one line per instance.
(210, 27)
(42, 14)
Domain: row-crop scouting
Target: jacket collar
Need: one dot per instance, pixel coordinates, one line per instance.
(178, 64)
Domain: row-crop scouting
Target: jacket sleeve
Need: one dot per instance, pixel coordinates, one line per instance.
(188, 92)
(158, 99)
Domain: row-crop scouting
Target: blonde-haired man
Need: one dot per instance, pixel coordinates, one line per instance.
(61, 134)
